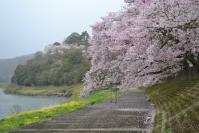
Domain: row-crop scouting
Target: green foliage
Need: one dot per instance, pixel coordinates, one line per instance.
(73, 38)
(79, 39)
(57, 70)
(27, 118)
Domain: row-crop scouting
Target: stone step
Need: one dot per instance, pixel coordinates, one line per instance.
(113, 115)
(97, 130)
(119, 118)
(89, 124)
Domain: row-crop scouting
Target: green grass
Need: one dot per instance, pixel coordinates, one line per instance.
(74, 90)
(177, 104)
(27, 118)
(43, 90)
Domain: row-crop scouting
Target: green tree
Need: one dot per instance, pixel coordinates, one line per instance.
(73, 38)
(54, 69)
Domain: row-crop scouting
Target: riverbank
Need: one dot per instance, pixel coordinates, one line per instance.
(27, 118)
(65, 91)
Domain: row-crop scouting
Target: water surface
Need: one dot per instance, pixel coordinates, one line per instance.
(10, 104)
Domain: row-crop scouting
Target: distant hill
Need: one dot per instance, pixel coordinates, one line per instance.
(8, 66)
(61, 64)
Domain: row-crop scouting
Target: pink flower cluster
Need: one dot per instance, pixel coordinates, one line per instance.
(145, 43)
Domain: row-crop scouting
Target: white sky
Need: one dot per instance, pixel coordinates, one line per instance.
(27, 26)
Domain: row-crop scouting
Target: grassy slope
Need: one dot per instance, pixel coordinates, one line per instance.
(43, 90)
(26, 118)
(177, 105)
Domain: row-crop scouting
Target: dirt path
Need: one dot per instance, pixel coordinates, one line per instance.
(127, 116)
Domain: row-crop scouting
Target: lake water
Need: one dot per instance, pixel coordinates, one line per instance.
(10, 104)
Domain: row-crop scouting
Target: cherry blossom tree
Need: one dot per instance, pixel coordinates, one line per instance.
(145, 43)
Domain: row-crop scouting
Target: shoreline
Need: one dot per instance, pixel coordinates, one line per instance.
(17, 121)
(12, 104)
(59, 91)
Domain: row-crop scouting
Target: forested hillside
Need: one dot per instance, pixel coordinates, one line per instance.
(8, 66)
(61, 64)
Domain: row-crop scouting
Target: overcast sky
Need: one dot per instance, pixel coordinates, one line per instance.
(27, 26)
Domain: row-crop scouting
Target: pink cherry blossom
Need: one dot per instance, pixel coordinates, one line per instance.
(145, 43)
